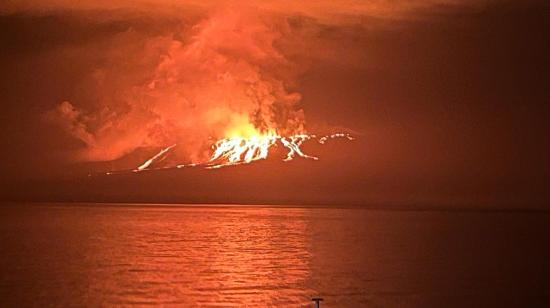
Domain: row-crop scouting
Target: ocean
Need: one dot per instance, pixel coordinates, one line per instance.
(280, 256)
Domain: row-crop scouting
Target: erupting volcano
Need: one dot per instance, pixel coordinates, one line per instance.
(238, 150)
(220, 93)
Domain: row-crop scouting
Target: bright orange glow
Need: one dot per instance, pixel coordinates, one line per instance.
(243, 150)
(147, 163)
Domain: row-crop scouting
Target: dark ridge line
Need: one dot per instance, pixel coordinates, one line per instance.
(175, 205)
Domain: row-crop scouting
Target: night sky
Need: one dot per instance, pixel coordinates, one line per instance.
(447, 101)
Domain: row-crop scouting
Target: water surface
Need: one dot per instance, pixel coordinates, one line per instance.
(224, 256)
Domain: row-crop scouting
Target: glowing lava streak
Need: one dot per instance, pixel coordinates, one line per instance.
(240, 150)
(161, 155)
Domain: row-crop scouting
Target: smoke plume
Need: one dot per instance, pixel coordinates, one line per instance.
(220, 78)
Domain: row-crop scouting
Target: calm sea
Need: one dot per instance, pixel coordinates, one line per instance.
(234, 256)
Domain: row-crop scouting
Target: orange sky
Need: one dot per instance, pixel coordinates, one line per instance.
(319, 8)
(446, 98)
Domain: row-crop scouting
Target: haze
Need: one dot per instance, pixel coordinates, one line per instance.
(447, 100)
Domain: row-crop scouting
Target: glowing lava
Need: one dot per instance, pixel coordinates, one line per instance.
(240, 150)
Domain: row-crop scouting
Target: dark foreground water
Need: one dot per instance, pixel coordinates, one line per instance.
(101, 255)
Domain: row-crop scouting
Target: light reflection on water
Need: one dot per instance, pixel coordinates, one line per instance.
(100, 255)
(192, 256)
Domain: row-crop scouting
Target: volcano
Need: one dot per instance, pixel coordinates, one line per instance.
(236, 151)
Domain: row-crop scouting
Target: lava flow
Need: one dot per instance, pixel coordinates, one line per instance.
(240, 150)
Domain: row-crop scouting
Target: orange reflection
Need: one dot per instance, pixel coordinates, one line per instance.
(201, 256)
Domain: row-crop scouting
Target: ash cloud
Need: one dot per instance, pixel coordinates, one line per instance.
(221, 77)
(196, 73)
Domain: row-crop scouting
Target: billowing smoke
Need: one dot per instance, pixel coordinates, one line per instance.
(220, 78)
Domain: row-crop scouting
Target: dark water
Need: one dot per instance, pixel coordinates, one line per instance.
(98, 255)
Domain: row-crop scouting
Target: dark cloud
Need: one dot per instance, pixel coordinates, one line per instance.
(448, 102)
